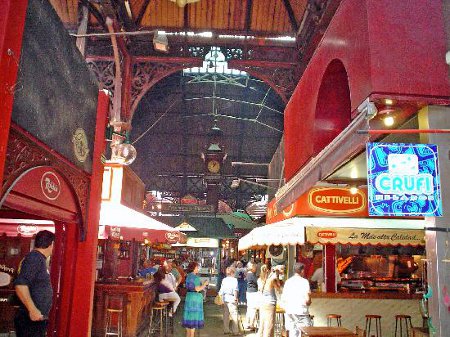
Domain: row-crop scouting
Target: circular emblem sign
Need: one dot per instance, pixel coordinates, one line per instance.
(80, 145)
(172, 237)
(27, 230)
(50, 185)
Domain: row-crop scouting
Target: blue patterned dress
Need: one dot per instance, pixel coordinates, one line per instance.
(193, 317)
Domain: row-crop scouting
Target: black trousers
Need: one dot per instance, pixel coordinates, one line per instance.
(25, 327)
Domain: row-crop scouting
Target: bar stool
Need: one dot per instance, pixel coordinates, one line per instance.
(424, 321)
(401, 320)
(169, 317)
(337, 317)
(377, 319)
(158, 318)
(110, 329)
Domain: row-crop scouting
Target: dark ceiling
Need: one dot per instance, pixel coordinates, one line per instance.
(170, 121)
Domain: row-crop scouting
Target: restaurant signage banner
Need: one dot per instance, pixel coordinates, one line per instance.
(320, 201)
(365, 236)
(403, 180)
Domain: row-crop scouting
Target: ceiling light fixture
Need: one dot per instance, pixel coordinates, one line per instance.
(182, 3)
(353, 190)
(160, 42)
(388, 120)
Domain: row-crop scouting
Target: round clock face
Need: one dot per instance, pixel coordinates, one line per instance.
(276, 250)
(213, 166)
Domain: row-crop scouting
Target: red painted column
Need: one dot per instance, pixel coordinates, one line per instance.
(12, 24)
(330, 268)
(84, 275)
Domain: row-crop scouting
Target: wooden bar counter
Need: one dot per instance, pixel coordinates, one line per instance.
(134, 298)
(354, 306)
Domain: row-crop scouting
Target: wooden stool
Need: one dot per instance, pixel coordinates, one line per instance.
(158, 318)
(401, 320)
(377, 319)
(110, 329)
(424, 321)
(337, 317)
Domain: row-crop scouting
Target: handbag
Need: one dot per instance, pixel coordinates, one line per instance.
(218, 300)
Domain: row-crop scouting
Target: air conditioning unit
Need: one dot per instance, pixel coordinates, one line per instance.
(276, 253)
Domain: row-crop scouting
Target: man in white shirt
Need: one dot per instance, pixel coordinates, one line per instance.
(229, 293)
(295, 300)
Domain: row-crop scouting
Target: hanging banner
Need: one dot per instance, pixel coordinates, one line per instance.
(365, 236)
(320, 201)
(403, 180)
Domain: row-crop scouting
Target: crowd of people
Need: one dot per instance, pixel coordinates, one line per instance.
(262, 289)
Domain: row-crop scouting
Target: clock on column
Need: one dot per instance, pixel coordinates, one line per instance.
(213, 166)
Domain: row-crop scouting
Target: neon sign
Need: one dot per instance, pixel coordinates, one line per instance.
(403, 179)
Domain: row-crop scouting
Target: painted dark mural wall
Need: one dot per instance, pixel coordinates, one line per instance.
(56, 95)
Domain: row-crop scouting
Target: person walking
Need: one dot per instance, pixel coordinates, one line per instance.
(34, 289)
(268, 284)
(193, 316)
(229, 293)
(242, 284)
(252, 297)
(295, 300)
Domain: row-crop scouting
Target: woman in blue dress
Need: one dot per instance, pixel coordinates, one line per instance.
(193, 317)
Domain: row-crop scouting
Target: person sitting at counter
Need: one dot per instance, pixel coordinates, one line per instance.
(167, 286)
(148, 268)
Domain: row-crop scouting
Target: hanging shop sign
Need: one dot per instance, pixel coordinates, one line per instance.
(403, 180)
(202, 243)
(320, 201)
(365, 236)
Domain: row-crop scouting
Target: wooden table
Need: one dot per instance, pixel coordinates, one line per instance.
(420, 332)
(325, 331)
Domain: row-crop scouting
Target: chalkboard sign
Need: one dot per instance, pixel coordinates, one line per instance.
(56, 95)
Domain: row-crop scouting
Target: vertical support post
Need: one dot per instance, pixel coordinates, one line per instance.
(12, 25)
(330, 268)
(437, 272)
(84, 275)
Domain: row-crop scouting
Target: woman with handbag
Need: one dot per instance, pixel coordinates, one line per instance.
(193, 316)
(229, 293)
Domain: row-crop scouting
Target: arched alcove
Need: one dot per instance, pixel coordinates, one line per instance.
(333, 108)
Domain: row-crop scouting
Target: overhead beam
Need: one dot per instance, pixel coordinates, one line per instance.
(142, 12)
(248, 15)
(291, 14)
(95, 12)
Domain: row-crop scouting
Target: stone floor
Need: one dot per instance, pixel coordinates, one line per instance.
(213, 321)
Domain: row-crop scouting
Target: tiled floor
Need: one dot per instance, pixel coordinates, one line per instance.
(213, 321)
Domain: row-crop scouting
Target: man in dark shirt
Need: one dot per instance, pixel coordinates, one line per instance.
(34, 289)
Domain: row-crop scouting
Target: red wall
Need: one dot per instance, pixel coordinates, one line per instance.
(12, 24)
(386, 47)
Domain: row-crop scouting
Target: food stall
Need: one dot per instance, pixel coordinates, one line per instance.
(332, 226)
(125, 233)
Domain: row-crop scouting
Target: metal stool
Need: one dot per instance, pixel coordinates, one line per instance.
(403, 320)
(110, 329)
(158, 318)
(337, 317)
(377, 319)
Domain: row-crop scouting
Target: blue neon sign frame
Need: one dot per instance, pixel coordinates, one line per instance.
(403, 179)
